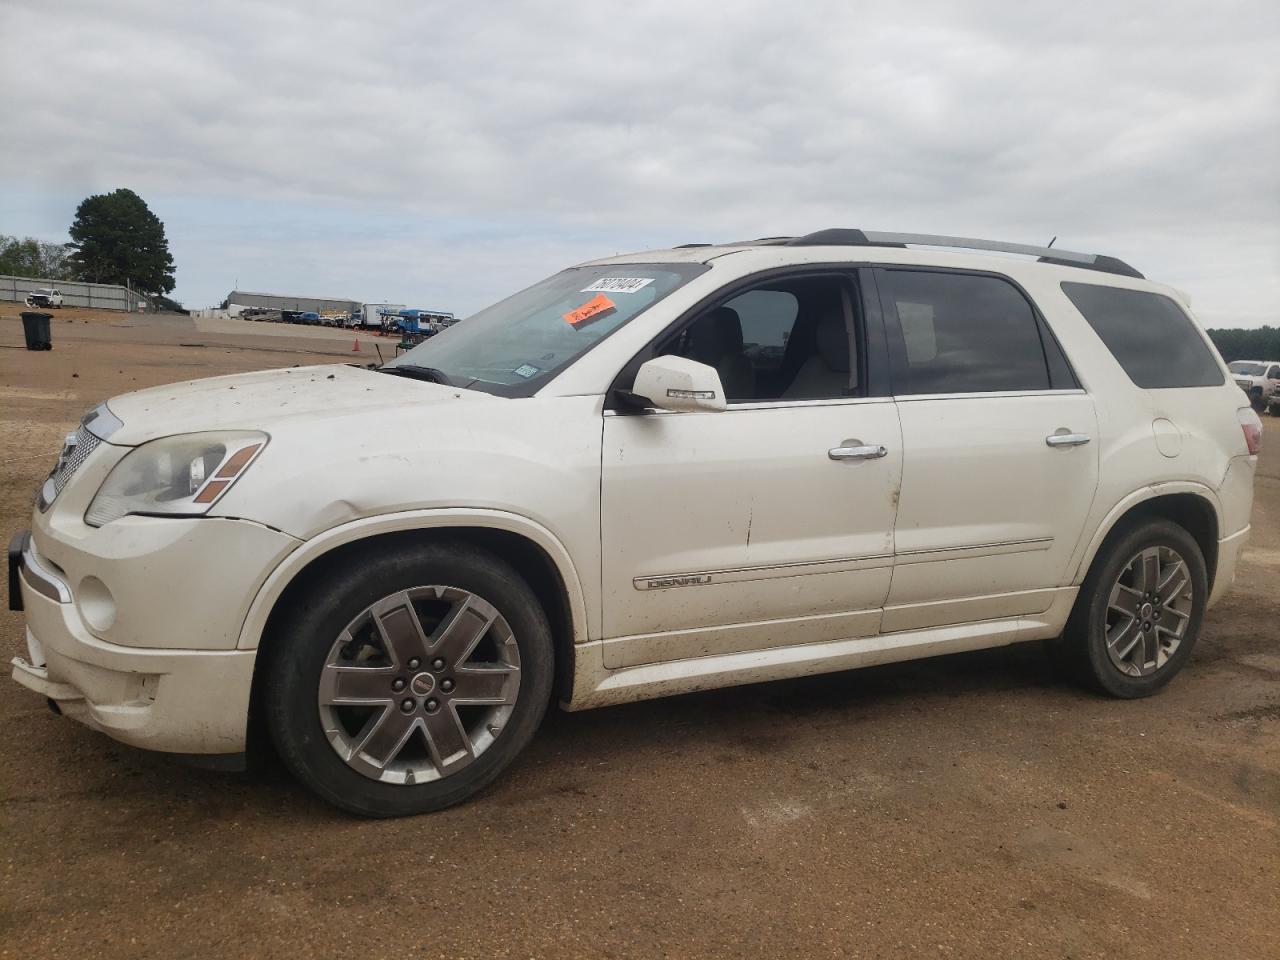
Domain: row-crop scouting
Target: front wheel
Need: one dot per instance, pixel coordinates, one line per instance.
(411, 685)
(1139, 611)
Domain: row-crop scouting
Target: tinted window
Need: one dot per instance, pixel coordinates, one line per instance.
(1246, 368)
(1061, 376)
(963, 334)
(789, 340)
(768, 317)
(1151, 336)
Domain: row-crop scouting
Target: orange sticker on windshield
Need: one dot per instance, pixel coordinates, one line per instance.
(589, 310)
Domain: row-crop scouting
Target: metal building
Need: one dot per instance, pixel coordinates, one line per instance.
(280, 301)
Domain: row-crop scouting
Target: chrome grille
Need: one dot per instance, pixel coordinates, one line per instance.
(75, 451)
(72, 456)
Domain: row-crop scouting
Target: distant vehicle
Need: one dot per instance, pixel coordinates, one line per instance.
(1259, 379)
(309, 317)
(424, 323)
(371, 316)
(45, 297)
(290, 316)
(333, 320)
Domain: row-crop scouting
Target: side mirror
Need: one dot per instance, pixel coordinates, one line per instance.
(678, 384)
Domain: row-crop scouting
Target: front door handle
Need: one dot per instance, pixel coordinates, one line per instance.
(1066, 439)
(857, 450)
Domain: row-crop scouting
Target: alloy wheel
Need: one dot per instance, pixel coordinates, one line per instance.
(1148, 611)
(419, 684)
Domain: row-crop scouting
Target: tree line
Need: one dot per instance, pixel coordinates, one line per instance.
(1237, 344)
(115, 238)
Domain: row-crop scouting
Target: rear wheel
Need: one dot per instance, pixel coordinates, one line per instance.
(411, 685)
(1139, 611)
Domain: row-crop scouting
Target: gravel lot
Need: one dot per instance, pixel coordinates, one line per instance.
(963, 806)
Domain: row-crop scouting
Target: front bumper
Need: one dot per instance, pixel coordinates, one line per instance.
(173, 700)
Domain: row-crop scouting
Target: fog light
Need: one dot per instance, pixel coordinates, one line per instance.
(97, 606)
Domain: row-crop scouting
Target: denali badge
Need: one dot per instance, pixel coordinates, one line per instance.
(662, 583)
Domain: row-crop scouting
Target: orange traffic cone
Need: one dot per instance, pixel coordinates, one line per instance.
(355, 345)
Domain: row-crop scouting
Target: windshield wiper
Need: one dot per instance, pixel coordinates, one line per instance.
(415, 372)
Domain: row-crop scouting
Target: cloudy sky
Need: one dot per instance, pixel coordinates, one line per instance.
(444, 154)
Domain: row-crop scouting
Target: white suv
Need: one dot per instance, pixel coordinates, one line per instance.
(642, 476)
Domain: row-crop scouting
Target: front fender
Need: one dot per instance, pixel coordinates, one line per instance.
(295, 562)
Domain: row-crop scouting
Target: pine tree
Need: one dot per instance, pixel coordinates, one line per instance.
(117, 239)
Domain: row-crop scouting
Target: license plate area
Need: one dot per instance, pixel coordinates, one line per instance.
(35, 651)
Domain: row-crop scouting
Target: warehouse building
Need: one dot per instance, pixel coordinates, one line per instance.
(238, 300)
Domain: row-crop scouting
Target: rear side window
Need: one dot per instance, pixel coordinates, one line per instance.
(963, 333)
(1150, 336)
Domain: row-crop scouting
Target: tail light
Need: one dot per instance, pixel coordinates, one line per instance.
(1252, 427)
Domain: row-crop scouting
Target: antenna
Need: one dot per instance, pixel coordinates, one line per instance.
(1051, 242)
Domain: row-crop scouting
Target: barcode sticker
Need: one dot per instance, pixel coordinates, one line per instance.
(618, 285)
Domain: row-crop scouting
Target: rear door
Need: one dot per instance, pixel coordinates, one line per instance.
(1000, 460)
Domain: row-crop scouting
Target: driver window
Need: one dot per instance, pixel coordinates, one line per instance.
(788, 341)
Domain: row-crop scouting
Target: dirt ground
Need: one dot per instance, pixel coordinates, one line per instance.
(967, 806)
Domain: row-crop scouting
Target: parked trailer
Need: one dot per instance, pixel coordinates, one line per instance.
(372, 314)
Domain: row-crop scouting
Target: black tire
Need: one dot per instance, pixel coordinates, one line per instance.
(299, 649)
(1081, 651)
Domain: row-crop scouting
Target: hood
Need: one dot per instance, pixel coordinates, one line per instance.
(257, 401)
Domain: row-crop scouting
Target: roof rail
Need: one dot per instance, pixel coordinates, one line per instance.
(1065, 258)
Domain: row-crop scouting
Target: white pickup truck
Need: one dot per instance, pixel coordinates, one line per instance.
(1259, 379)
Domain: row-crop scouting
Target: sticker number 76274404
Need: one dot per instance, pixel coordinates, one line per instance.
(618, 285)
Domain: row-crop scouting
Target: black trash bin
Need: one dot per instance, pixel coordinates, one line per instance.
(35, 327)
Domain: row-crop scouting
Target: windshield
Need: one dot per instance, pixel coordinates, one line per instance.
(517, 345)
(1248, 369)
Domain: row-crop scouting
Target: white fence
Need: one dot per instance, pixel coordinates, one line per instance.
(106, 296)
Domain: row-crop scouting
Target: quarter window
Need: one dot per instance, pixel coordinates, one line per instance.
(962, 333)
(1150, 336)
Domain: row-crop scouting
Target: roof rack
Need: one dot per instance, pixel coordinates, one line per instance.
(839, 237)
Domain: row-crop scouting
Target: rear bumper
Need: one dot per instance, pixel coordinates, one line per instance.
(177, 701)
(1229, 550)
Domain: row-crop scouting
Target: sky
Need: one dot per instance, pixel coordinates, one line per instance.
(444, 155)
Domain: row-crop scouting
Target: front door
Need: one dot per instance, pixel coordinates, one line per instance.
(767, 524)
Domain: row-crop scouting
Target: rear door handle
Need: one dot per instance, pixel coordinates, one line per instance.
(856, 450)
(1066, 439)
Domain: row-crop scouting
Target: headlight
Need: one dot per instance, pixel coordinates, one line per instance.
(176, 476)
